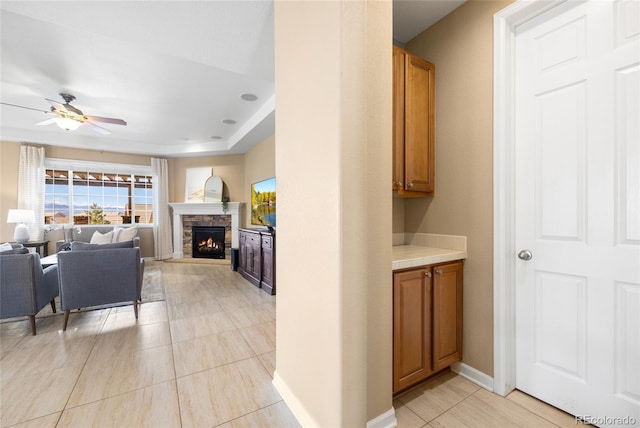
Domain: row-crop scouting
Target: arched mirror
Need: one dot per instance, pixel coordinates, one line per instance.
(213, 189)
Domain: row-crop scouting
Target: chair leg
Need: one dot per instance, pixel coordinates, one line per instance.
(66, 320)
(53, 305)
(135, 308)
(32, 320)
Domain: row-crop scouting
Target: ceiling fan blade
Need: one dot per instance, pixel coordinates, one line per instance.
(97, 128)
(47, 122)
(28, 108)
(106, 120)
(56, 105)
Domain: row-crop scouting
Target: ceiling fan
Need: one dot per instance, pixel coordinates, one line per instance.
(70, 118)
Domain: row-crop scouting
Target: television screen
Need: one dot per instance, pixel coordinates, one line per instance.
(263, 203)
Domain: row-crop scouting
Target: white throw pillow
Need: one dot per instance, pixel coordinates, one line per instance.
(116, 233)
(127, 234)
(101, 238)
(6, 247)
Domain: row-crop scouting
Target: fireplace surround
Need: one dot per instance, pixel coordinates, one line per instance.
(184, 212)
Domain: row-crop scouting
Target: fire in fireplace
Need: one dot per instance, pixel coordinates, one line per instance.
(208, 242)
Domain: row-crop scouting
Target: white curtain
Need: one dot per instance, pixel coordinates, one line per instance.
(162, 219)
(31, 187)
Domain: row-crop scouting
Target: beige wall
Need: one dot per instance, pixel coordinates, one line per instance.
(9, 155)
(333, 139)
(259, 164)
(461, 47)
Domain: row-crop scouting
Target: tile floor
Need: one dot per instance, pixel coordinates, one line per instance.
(203, 358)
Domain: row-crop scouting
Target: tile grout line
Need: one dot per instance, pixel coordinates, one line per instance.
(84, 365)
(173, 358)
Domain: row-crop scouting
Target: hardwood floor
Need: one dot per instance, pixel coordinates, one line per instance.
(204, 357)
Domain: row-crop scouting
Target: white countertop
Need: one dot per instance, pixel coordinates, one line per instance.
(409, 256)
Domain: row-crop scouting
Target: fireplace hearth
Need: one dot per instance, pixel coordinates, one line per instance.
(208, 242)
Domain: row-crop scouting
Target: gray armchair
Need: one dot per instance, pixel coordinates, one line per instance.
(25, 288)
(99, 277)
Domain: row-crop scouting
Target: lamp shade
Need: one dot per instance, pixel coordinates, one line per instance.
(21, 216)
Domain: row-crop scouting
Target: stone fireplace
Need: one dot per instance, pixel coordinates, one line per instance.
(186, 216)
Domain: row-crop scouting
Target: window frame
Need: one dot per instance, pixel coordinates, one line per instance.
(104, 168)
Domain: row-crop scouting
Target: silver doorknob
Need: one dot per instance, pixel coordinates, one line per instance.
(525, 255)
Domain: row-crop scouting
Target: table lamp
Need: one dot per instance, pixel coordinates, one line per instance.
(21, 235)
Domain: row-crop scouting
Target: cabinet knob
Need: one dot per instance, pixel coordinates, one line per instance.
(399, 184)
(439, 271)
(410, 185)
(427, 274)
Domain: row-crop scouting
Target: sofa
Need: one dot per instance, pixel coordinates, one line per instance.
(100, 275)
(25, 287)
(101, 234)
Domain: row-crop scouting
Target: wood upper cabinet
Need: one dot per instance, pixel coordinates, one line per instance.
(427, 322)
(413, 124)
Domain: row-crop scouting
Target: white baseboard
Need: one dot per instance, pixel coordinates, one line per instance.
(475, 376)
(293, 403)
(385, 420)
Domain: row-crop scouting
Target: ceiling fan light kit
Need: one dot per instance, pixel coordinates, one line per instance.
(70, 118)
(67, 123)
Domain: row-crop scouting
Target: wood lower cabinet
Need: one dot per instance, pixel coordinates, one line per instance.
(257, 258)
(412, 326)
(447, 315)
(413, 125)
(250, 265)
(268, 282)
(427, 322)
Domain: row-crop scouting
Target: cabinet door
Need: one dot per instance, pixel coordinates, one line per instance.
(412, 312)
(447, 314)
(255, 262)
(268, 264)
(419, 124)
(398, 119)
(242, 262)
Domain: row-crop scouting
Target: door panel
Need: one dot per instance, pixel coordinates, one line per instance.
(412, 313)
(577, 191)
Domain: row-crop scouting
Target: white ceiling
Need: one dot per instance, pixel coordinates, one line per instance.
(173, 70)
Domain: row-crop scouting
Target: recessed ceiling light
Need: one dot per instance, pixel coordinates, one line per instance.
(229, 121)
(216, 137)
(249, 97)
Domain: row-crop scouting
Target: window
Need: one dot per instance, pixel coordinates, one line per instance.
(90, 193)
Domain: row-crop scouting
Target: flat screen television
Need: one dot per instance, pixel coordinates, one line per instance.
(263, 203)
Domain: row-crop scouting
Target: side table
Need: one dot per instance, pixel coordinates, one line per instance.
(42, 247)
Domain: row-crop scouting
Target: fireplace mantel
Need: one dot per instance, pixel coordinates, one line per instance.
(234, 209)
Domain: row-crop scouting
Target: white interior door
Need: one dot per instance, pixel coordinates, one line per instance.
(578, 209)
